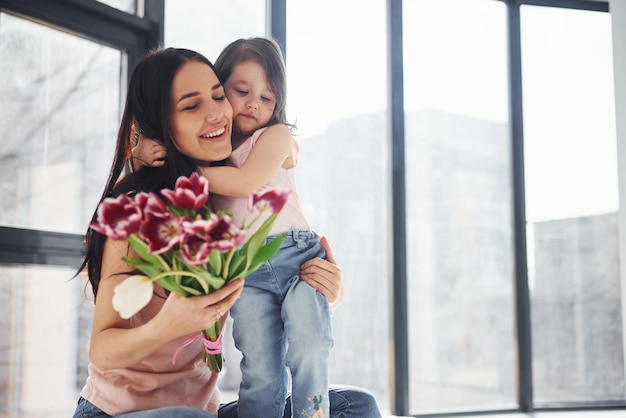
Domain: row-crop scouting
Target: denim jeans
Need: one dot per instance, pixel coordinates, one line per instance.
(86, 409)
(345, 402)
(281, 322)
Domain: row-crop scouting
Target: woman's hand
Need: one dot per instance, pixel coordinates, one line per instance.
(188, 315)
(324, 276)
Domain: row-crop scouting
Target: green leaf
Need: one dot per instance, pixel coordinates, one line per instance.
(191, 291)
(256, 240)
(215, 259)
(237, 267)
(211, 279)
(142, 251)
(214, 281)
(265, 253)
(148, 269)
(196, 283)
(170, 284)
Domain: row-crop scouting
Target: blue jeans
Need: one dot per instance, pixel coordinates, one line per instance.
(345, 402)
(281, 322)
(86, 409)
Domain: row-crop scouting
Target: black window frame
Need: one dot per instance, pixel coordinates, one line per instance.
(104, 24)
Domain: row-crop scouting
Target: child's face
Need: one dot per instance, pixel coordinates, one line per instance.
(200, 115)
(250, 96)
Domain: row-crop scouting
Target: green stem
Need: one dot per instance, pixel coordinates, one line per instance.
(175, 267)
(227, 263)
(254, 220)
(176, 273)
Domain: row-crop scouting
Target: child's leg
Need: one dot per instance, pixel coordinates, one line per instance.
(307, 329)
(345, 402)
(258, 334)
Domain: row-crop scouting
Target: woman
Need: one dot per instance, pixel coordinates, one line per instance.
(175, 97)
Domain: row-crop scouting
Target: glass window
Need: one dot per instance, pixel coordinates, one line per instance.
(572, 205)
(128, 6)
(45, 323)
(59, 114)
(208, 26)
(459, 207)
(337, 97)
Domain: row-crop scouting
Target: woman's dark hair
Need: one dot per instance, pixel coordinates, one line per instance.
(267, 53)
(147, 109)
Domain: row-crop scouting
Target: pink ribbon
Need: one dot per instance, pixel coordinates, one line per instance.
(211, 347)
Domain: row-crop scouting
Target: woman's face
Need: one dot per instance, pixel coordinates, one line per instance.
(200, 115)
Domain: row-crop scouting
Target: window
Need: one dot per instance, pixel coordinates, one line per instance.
(572, 206)
(128, 6)
(58, 116)
(337, 97)
(459, 207)
(44, 351)
(219, 24)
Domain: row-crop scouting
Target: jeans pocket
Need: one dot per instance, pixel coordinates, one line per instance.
(86, 409)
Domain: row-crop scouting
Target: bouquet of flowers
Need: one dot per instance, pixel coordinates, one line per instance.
(185, 247)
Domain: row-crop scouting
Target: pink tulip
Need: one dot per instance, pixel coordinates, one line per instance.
(202, 236)
(151, 203)
(189, 193)
(118, 217)
(269, 198)
(161, 231)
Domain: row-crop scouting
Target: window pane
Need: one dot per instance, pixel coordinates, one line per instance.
(337, 96)
(218, 23)
(45, 322)
(572, 205)
(128, 6)
(59, 114)
(459, 207)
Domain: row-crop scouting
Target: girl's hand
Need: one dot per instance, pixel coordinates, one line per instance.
(148, 153)
(324, 276)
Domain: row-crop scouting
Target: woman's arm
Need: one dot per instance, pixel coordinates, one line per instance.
(266, 158)
(115, 344)
(324, 276)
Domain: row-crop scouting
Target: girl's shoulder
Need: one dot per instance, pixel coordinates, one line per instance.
(277, 130)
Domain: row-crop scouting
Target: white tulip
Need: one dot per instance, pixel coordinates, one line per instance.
(132, 295)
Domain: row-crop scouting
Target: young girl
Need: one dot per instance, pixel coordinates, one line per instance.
(280, 322)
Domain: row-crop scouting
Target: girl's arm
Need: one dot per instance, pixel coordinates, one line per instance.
(115, 344)
(267, 156)
(147, 153)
